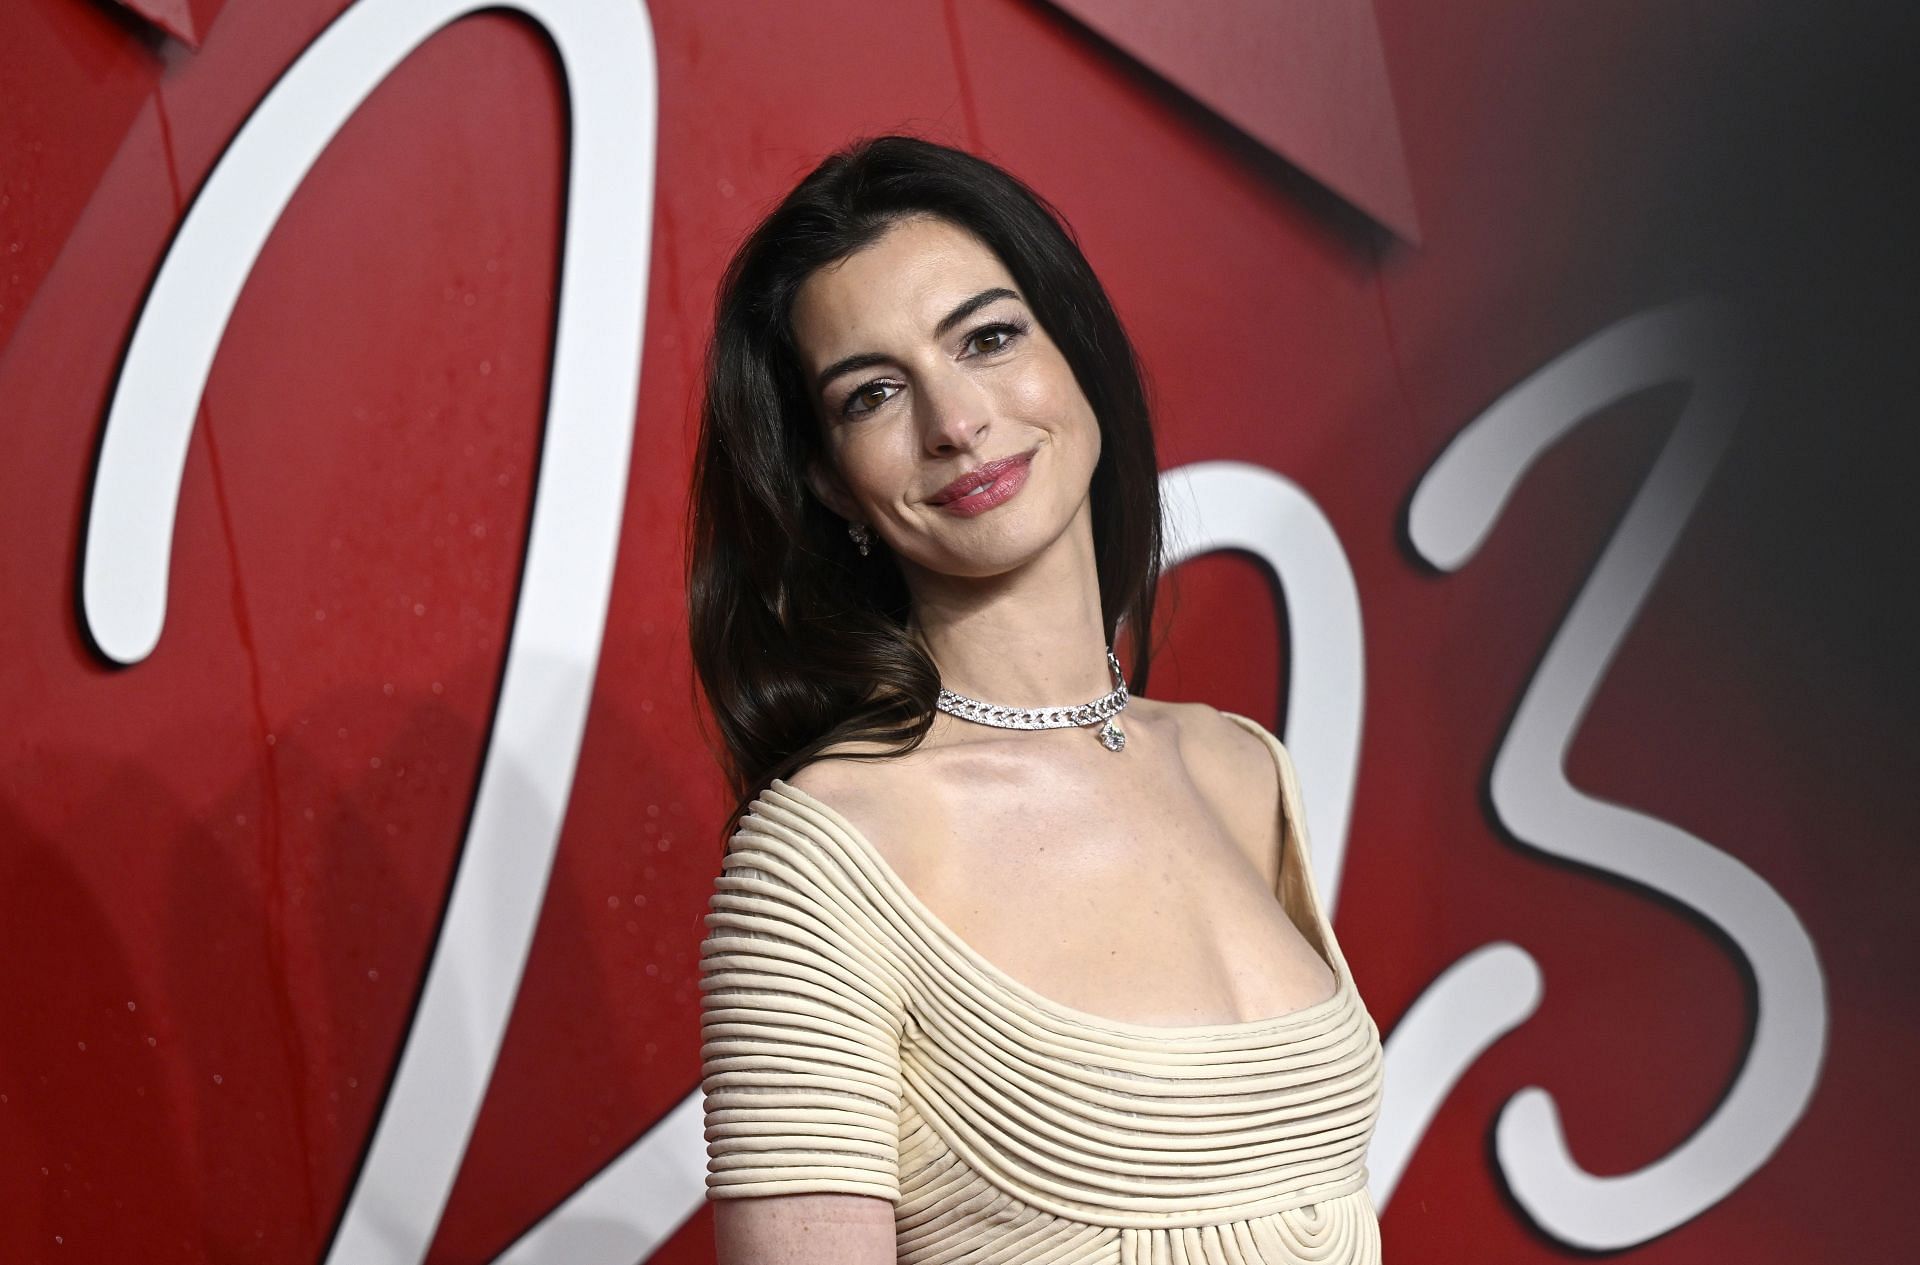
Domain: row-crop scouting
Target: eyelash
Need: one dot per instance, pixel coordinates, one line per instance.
(1016, 327)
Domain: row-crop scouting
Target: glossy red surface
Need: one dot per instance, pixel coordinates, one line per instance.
(222, 870)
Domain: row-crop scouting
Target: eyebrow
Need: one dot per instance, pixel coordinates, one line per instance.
(868, 359)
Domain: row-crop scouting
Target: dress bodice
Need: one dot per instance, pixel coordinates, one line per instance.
(852, 1042)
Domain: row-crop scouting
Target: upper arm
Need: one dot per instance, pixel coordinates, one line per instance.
(804, 1229)
(802, 1012)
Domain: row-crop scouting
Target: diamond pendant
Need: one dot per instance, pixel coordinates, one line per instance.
(1111, 737)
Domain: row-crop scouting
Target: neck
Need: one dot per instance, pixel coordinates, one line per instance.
(1030, 637)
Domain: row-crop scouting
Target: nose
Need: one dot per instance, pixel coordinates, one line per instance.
(953, 414)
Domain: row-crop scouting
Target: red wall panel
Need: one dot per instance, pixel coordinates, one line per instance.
(222, 869)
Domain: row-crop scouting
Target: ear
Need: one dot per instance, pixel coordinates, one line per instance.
(825, 482)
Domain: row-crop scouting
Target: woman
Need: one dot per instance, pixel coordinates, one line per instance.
(1006, 962)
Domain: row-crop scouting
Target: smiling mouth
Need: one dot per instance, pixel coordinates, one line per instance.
(979, 477)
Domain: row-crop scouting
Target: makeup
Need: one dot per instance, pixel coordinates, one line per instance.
(979, 490)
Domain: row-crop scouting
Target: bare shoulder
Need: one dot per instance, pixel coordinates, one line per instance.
(883, 796)
(1225, 754)
(845, 771)
(1233, 768)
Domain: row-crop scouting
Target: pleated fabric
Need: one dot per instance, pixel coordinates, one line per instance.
(852, 1043)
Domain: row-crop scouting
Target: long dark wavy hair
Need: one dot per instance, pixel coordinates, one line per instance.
(798, 641)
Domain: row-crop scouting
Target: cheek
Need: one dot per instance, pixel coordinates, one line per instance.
(873, 466)
(1050, 397)
(1069, 414)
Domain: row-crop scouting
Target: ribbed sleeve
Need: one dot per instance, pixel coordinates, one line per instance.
(801, 1020)
(853, 1042)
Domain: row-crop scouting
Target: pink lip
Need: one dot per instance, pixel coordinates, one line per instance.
(986, 485)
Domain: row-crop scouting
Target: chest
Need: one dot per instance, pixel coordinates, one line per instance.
(1138, 902)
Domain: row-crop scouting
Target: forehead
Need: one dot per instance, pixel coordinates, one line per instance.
(901, 284)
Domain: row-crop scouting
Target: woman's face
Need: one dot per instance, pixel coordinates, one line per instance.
(925, 364)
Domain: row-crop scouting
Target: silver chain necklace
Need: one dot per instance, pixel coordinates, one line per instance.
(1106, 707)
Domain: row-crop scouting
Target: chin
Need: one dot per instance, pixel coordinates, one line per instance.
(979, 564)
(991, 553)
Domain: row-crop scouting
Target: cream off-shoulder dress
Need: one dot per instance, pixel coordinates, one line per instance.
(851, 1042)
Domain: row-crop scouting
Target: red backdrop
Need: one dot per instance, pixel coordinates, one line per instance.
(222, 869)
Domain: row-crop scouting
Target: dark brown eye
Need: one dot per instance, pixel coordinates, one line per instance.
(997, 336)
(856, 401)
